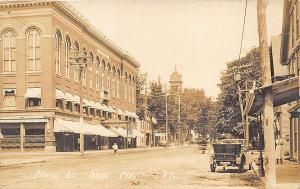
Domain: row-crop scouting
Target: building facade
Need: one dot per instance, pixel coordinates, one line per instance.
(290, 55)
(39, 81)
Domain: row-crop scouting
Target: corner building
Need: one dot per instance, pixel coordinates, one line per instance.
(39, 82)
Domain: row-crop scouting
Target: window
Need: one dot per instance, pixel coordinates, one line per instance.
(76, 68)
(67, 51)
(9, 51)
(34, 50)
(98, 113)
(69, 106)
(92, 111)
(57, 51)
(59, 103)
(34, 102)
(108, 84)
(84, 71)
(90, 70)
(9, 97)
(98, 80)
(77, 107)
(125, 86)
(113, 88)
(118, 89)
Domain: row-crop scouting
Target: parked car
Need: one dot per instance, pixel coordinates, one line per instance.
(227, 154)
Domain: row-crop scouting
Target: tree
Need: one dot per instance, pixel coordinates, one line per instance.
(156, 103)
(229, 113)
(141, 81)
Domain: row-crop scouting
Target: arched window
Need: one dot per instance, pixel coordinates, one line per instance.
(98, 74)
(67, 51)
(129, 89)
(118, 83)
(57, 51)
(76, 68)
(125, 84)
(84, 80)
(9, 51)
(90, 69)
(33, 49)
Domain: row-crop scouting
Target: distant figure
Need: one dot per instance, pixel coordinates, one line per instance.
(278, 142)
(115, 148)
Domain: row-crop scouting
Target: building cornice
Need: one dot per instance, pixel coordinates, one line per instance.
(75, 16)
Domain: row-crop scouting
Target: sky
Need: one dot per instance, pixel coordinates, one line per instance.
(198, 37)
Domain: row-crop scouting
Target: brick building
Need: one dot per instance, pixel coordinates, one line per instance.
(39, 82)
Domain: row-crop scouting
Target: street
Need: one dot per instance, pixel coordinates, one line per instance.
(174, 167)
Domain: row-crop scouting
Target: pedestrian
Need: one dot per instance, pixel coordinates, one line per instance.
(115, 148)
(278, 143)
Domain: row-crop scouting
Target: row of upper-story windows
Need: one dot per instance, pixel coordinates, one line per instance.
(33, 50)
(106, 77)
(96, 71)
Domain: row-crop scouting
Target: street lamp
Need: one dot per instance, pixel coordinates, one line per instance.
(81, 61)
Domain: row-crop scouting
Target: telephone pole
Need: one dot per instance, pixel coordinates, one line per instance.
(268, 113)
(167, 121)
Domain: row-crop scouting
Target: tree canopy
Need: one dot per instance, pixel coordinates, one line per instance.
(228, 110)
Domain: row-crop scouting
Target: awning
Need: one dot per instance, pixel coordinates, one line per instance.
(137, 133)
(69, 97)
(105, 108)
(75, 127)
(97, 130)
(9, 92)
(120, 112)
(93, 104)
(66, 126)
(119, 131)
(59, 94)
(76, 99)
(284, 92)
(33, 93)
(111, 109)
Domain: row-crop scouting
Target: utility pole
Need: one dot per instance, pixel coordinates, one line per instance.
(145, 107)
(268, 114)
(179, 137)
(81, 60)
(247, 120)
(167, 121)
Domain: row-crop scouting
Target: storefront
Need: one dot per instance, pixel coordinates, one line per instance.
(67, 135)
(24, 134)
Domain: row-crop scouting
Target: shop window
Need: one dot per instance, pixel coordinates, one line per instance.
(34, 131)
(9, 97)
(69, 106)
(34, 102)
(10, 131)
(59, 104)
(119, 117)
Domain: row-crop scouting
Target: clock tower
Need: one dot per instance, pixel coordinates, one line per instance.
(175, 82)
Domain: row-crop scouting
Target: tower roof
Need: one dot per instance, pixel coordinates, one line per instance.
(176, 76)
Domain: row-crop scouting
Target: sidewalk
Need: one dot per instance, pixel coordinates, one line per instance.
(287, 174)
(19, 158)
